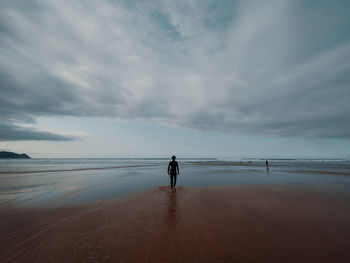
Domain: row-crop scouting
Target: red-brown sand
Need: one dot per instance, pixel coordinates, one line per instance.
(217, 224)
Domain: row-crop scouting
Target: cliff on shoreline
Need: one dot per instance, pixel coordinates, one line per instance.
(12, 155)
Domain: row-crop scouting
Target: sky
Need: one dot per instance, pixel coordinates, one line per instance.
(135, 78)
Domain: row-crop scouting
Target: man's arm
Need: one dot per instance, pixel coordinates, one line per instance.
(177, 166)
(168, 168)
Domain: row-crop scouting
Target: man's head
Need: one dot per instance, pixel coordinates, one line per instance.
(173, 157)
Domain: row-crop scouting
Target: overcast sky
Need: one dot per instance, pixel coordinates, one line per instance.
(106, 78)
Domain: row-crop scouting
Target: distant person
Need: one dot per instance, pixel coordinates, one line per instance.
(267, 164)
(173, 171)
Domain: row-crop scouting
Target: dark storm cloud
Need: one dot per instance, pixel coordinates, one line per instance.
(46, 97)
(278, 68)
(10, 132)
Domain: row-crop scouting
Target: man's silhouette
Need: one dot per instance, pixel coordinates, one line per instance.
(173, 171)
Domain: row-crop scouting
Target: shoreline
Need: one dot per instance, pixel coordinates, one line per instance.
(270, 223)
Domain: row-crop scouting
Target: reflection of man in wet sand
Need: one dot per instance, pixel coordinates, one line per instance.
(173, 171)
(172, 210)
(173, 219)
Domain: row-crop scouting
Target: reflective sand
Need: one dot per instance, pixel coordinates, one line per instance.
(226, 212)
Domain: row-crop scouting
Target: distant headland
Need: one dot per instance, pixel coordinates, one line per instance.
(12, 155)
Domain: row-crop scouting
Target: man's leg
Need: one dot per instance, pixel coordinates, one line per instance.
(171, 180)
(175, 180)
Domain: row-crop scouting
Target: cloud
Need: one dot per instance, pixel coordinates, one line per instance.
(277, 68)
(11, 132)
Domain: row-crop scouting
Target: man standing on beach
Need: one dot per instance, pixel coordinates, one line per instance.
(173, 171)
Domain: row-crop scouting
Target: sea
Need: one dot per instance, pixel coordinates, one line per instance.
(54, 182)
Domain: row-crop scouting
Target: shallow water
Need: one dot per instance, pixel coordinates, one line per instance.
(60, 182)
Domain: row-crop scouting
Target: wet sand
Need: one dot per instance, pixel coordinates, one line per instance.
(274, 223)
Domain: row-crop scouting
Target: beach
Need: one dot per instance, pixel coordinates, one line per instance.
(291, 213)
